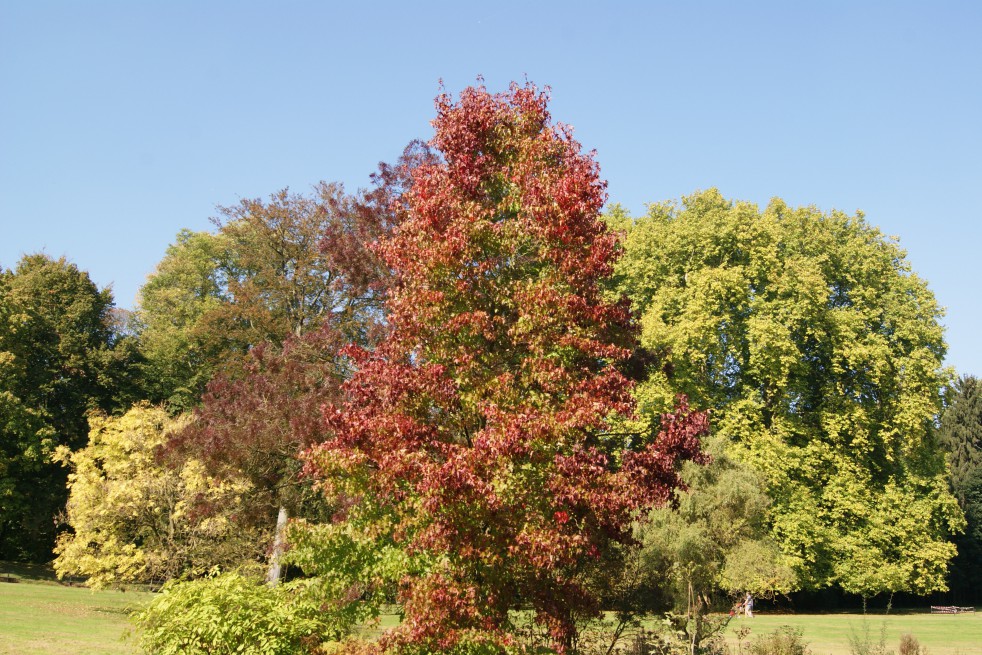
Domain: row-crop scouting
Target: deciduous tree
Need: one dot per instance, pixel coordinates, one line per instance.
(474, 438)
(254, 425)
(294, 260)
(819, 353)
(714, 539)
(301, 267)
(188, 284)
(135, 519)
(61, 356)
(275, 269)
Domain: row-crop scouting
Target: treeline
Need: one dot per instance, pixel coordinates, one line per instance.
(467, 391)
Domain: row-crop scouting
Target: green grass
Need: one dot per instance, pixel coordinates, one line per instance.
(39, 617)
(828, 634)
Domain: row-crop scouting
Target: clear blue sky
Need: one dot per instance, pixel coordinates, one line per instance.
(122, 122)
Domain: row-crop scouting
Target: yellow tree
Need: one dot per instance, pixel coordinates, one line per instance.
(135, 519)
(820, 354)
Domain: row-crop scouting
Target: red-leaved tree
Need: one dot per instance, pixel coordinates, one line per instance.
(252, 427)
(476, 431)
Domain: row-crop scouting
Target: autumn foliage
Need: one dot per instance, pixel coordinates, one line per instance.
(255, 424)
(476, 435)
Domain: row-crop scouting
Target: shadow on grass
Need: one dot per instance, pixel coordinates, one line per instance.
(20, 572)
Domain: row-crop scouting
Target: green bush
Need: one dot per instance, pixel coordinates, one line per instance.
(230, 613)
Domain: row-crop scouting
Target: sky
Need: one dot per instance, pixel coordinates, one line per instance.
(123, 122)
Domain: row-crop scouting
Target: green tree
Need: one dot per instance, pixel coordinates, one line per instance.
(276, 268)
(135, 519)
(960, 434)
(187, 284)
(716, 537)
(819, 354)
(62, 355)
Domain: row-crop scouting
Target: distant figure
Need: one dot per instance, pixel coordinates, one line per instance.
(748, 605)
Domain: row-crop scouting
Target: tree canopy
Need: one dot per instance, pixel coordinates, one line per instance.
(819, 354)
(187, 285)
(275, 268)
(473, 437)
(62, 355)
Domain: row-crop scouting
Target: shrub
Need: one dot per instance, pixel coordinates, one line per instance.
(862, 643)
(783, 641)
(910, 646)
(229, 612)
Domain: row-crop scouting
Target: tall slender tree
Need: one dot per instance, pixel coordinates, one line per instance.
(475, 437)
(960, 435)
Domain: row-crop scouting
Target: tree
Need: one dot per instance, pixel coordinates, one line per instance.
(295, 260)
(715, 538)
(819, 354)
(313, 291)
(475, 437)
(134, 519)
(61, 357)
(255, 425)
(960, 434)
(187, 285)
(275, 269)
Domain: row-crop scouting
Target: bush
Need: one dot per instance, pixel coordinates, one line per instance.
(783, 641)
(862, 643)
(678, 634)
(910, 646)
(232, 613)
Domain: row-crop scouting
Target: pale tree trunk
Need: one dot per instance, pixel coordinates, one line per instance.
(273, 575)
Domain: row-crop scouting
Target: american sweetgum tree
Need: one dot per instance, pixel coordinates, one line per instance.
(475, 437)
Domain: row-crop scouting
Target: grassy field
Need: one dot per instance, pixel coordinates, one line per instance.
(38, 617)
(828, 634)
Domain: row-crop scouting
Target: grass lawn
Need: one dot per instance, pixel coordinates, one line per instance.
(828, 634)
(39, 617)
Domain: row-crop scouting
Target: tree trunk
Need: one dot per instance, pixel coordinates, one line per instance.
(273, 576)
(693, 620)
